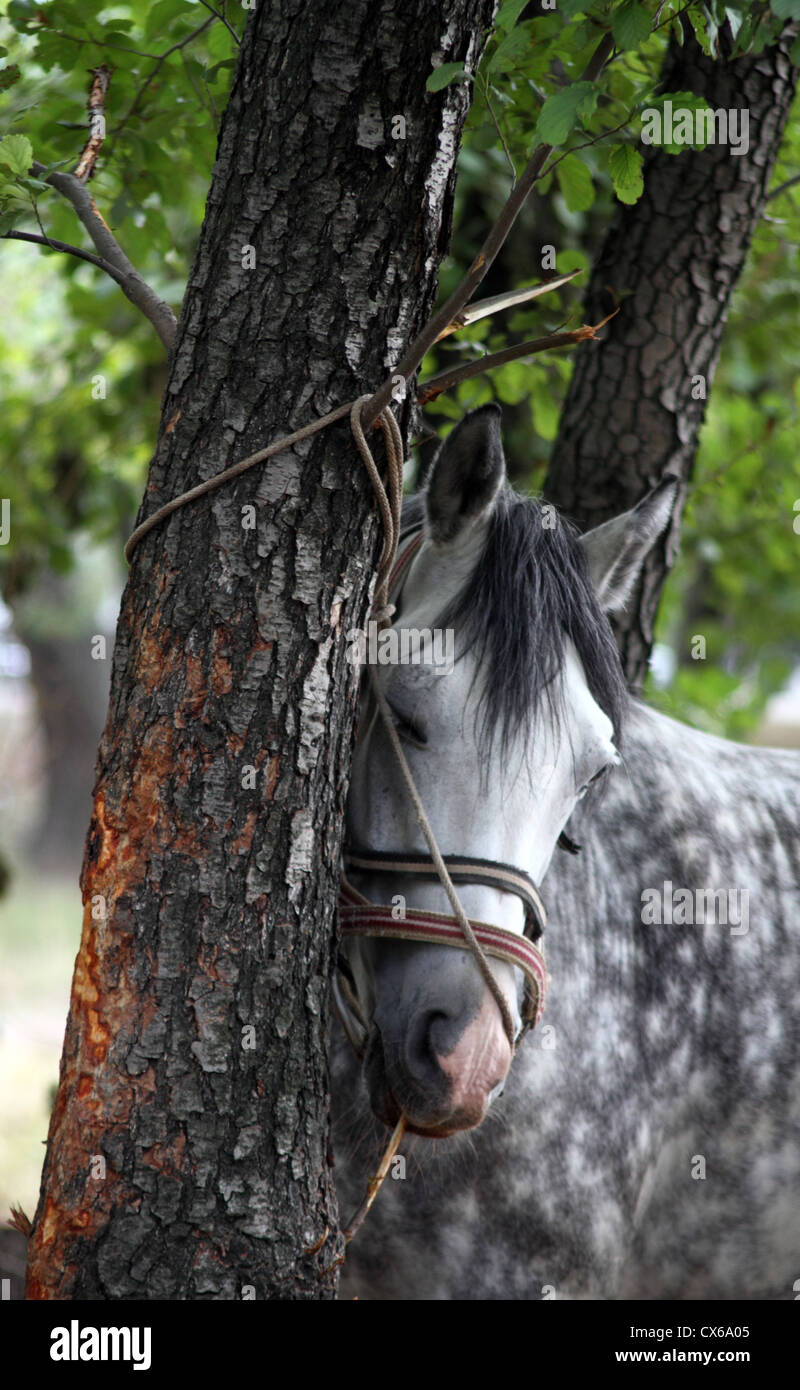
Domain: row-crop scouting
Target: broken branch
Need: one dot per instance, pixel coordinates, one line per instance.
(497, 302)
(97, 123)
(374, 1185)
(451, 376)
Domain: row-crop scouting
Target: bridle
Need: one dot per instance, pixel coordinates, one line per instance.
(359, 917)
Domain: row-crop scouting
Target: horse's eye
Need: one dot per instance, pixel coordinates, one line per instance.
(598, 776)
(408, 730)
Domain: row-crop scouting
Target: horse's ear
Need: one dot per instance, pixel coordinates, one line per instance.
(617, 549)
(466, 476)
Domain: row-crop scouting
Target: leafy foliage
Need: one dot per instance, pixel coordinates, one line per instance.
(78, 450)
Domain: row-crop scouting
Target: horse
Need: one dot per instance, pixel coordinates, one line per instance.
(642, 1141)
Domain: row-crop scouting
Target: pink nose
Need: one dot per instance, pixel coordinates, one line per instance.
(479, 1061)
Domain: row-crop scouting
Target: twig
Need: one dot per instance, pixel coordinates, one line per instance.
(97, 123)
(182, 43)
(594, 140)
(374, 1185)
(222, 20)
(101, 43)
(451, 376)
(500, 134)
(45, 240)
(671, 17)
(463, 292)
(18, 1221)
(782, 187)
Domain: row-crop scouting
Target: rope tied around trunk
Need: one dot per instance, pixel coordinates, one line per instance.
(390, 514)
(389, 498)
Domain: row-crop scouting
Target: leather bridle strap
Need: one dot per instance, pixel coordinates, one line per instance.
(457, 930)
(489, 872)
(358, 917)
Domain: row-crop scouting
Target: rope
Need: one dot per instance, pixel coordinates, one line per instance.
(244, 464)
(441, 868)
(389, 501)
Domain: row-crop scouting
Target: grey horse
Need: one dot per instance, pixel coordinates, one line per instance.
(644, 1141)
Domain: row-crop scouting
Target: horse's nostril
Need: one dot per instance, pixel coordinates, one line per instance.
(427, 1041)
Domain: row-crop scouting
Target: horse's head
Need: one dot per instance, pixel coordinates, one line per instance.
(502, 742)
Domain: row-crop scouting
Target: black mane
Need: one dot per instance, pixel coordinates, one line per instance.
(528, 593)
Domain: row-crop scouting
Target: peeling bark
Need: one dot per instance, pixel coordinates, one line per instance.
(194, 1061)
(671, 262)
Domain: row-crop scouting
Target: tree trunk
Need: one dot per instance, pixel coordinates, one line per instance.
(671, 261)
(187, 1155)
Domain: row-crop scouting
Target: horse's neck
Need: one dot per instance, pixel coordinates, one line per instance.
(689, 809)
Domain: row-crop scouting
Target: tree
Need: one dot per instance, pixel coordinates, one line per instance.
(670, 263)
(187, 1151)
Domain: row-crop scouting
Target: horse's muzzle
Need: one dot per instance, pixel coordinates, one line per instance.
(440, 1093)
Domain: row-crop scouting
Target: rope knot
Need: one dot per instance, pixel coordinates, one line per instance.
(383, 616)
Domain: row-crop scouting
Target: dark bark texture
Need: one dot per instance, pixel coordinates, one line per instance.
(671, 262)
(194, 1063)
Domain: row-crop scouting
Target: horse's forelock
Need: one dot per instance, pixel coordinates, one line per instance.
(529, 592)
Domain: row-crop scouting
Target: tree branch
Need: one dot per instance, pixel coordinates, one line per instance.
(222, 20)
(97, 123)
(782, 188)
(70, 251)
(451, 376)
(182, 43)
(131, 283)
(425, 340)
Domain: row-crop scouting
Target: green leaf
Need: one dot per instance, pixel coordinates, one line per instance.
(445, 75)
(22, 12)
(162, 16)
(660, 127)
(213, 74)
(785, 9)
(572, 260)
(17, 152)
(561, 111)
(509, 13)
(630, 24)
(511, 383)
(734, 19)
(794, 55)
(9, 75)
(575, 182)
(515, 46)
(625, 168)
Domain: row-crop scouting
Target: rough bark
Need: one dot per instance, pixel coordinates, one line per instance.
(218, 896)
(671, 262)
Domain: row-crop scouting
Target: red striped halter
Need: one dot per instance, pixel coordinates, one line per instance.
(359, 917)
